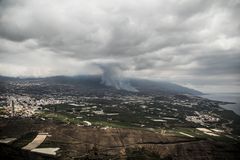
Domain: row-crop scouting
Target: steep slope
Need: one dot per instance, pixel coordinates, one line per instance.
(116, 143)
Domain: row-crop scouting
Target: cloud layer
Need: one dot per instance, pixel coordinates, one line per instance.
(193, 43)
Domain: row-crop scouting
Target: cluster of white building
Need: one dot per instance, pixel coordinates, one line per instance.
(25, 106)
(47, 101)
(202, 118)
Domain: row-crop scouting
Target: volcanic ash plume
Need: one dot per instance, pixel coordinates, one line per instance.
(112, 76)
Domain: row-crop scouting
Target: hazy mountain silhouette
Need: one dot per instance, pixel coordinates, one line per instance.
(94, 82)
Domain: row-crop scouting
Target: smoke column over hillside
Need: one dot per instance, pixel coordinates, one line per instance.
(112, 76)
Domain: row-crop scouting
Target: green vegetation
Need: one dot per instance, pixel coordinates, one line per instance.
(200, 135)
(60, 117)
(192, 131)
(69, 118)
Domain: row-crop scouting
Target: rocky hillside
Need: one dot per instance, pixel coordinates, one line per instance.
(115, 143)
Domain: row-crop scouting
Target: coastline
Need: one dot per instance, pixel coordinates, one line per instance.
(232, 100)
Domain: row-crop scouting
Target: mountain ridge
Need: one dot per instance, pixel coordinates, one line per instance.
(95, 81)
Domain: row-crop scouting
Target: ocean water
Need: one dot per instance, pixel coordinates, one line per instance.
(226, 97)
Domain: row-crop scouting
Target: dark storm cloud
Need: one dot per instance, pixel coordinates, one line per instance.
(219, 65)
(181, 40)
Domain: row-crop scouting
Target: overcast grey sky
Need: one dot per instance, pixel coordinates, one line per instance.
(195, 43)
